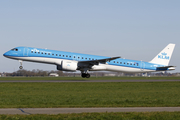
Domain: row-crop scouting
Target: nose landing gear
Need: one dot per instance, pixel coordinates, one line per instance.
(20, 67)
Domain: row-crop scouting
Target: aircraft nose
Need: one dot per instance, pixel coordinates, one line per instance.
(6, 54)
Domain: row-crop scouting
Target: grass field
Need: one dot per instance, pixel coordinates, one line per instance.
(92, 78)
(98, 116)
(42, 95)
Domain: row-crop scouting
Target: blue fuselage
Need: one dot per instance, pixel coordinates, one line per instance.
(52, 56)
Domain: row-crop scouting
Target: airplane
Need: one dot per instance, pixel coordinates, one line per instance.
(69, 61)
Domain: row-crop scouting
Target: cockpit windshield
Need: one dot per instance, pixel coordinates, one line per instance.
(14, 49)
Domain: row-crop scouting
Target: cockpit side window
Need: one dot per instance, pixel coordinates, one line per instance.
(14, 49)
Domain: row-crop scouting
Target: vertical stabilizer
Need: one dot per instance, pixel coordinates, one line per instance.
(164, 56)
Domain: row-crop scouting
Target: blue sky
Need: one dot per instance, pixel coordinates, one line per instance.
(131, 29)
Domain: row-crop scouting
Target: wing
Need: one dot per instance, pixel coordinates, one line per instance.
(96, 62)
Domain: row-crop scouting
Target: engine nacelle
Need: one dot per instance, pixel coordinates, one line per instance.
(66, 65)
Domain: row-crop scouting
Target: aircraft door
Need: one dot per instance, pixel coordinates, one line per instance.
(142, 66)
(26, 50)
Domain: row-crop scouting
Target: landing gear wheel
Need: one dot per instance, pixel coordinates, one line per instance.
(87, 75)
(84, 75)
(20, 67)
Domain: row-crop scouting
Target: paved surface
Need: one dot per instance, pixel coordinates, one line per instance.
(28, 111)
(89, 80)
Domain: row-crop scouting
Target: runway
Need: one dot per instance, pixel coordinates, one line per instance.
(29, 111)
(89, 81)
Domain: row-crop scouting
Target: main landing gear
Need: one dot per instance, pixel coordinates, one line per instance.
(20, 67)
(85, 75)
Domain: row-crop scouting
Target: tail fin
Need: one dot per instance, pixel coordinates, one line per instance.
(164, 56)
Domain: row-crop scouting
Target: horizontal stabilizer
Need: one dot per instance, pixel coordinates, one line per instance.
(166, 68)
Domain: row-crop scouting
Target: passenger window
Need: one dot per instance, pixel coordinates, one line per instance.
(52, 54)
(48, 53)
(56, 54)
(38, 52)
(70, 56)
(63, 55)
(59, 55)
(66, 55)
(31, 51)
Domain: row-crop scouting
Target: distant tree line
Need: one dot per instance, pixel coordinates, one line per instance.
(33, 73)
(38, 72)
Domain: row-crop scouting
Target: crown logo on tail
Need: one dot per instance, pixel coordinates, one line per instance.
(164, 53)
(163, 56)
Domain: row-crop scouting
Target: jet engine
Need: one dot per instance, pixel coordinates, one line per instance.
(66, 65)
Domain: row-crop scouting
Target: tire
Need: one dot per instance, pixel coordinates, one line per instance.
(83, 75)
(87, 75)
(20, 67)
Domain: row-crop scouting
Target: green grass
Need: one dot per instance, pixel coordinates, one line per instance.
(92, 78)
(98, 116)
(47, 95)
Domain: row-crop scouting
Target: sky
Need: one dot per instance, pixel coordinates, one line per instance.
(132, 29)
